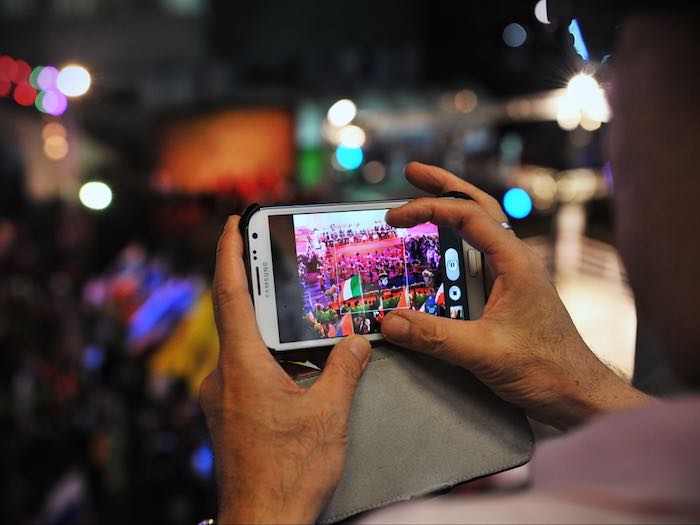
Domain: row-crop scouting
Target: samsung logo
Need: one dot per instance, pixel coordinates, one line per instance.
(266, 279)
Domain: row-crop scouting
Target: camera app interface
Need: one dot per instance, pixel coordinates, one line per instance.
(351, 269)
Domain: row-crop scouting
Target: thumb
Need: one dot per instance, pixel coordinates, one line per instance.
(343, 370)
(446, 339)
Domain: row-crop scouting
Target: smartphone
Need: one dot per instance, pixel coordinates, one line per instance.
(324, 271)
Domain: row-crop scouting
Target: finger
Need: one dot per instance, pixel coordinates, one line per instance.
(446, 339)
(233, 307)
(437, 181)
(506, 252)
(344, 367)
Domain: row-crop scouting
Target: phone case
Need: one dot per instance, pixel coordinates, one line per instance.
(418, 426)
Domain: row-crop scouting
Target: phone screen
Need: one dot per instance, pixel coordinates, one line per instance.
(340, 273)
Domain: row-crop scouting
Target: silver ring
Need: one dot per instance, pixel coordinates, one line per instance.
(506, 226)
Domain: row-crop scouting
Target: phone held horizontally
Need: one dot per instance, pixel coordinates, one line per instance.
(324, 271)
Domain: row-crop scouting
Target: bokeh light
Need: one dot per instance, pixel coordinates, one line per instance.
(514, 35)
(95, 195)
(56, 147)
(46, 79)
(53, 128)
(579, 42)
(8, 67)
(517, 203)
(203, 460)
(374, 172)
(25, 94)
(541, 11)
(351, 137)
(466, 101)
(22, 72)
(34, 76)
(73, 80)
(583, 103)
(342, 113)
(349, 158)
(52, 102)
(5, 86)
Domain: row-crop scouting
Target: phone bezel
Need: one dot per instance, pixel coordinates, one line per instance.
(265, 303)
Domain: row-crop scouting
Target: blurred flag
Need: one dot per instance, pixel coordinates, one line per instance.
(332, 330)
(345, 326)
(352, 288)
(440, 295)
(428, 304)
(405, 301)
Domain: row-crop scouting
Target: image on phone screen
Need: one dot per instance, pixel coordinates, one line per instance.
(340, 273)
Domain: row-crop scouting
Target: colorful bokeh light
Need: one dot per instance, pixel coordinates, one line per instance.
(22, 72)
(46, 79)
(34, 77)
(52, 102)
(5, 86)
(53, 128)
(25, 94)
(349, 158)
(56, 147)
(517, 203)
(8, 67)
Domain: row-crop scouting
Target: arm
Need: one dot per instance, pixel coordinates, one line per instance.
(525, 346)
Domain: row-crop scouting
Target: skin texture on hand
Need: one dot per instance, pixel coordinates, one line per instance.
(525, 346)
(279, 449)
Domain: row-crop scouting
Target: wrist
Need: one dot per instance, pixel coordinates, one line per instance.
(604, 392)
(269, 509)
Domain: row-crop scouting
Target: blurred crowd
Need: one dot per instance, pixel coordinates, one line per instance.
(98, 424)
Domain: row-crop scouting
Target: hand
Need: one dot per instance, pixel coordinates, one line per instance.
(525, 346)
(279, 449)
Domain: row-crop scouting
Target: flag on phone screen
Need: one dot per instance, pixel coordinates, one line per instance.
(352, 288)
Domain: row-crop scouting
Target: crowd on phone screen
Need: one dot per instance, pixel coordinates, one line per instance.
(409, 261)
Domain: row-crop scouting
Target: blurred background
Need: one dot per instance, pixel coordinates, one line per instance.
(130, 129)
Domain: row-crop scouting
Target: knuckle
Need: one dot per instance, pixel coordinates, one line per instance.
(348, 369)
(434, 337)
(225, 294)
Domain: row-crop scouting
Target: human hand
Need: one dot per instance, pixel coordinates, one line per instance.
(525, 346)
(279, 449)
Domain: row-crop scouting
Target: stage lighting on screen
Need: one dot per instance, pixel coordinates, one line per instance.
(517, 203)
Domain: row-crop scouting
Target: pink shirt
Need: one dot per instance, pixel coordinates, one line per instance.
(636, 466)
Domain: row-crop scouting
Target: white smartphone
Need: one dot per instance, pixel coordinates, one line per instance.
(324, 271)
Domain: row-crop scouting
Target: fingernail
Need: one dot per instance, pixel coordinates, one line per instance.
(396, 328)
(230, 222)
(361, 348)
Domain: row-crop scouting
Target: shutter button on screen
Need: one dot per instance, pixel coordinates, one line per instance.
(455, 293)
(452, 264)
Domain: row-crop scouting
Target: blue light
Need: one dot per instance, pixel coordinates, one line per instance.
(93, 357)
(349, 158)
(203, 460)
(517, 203)
(514, 35)
(579, 44)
